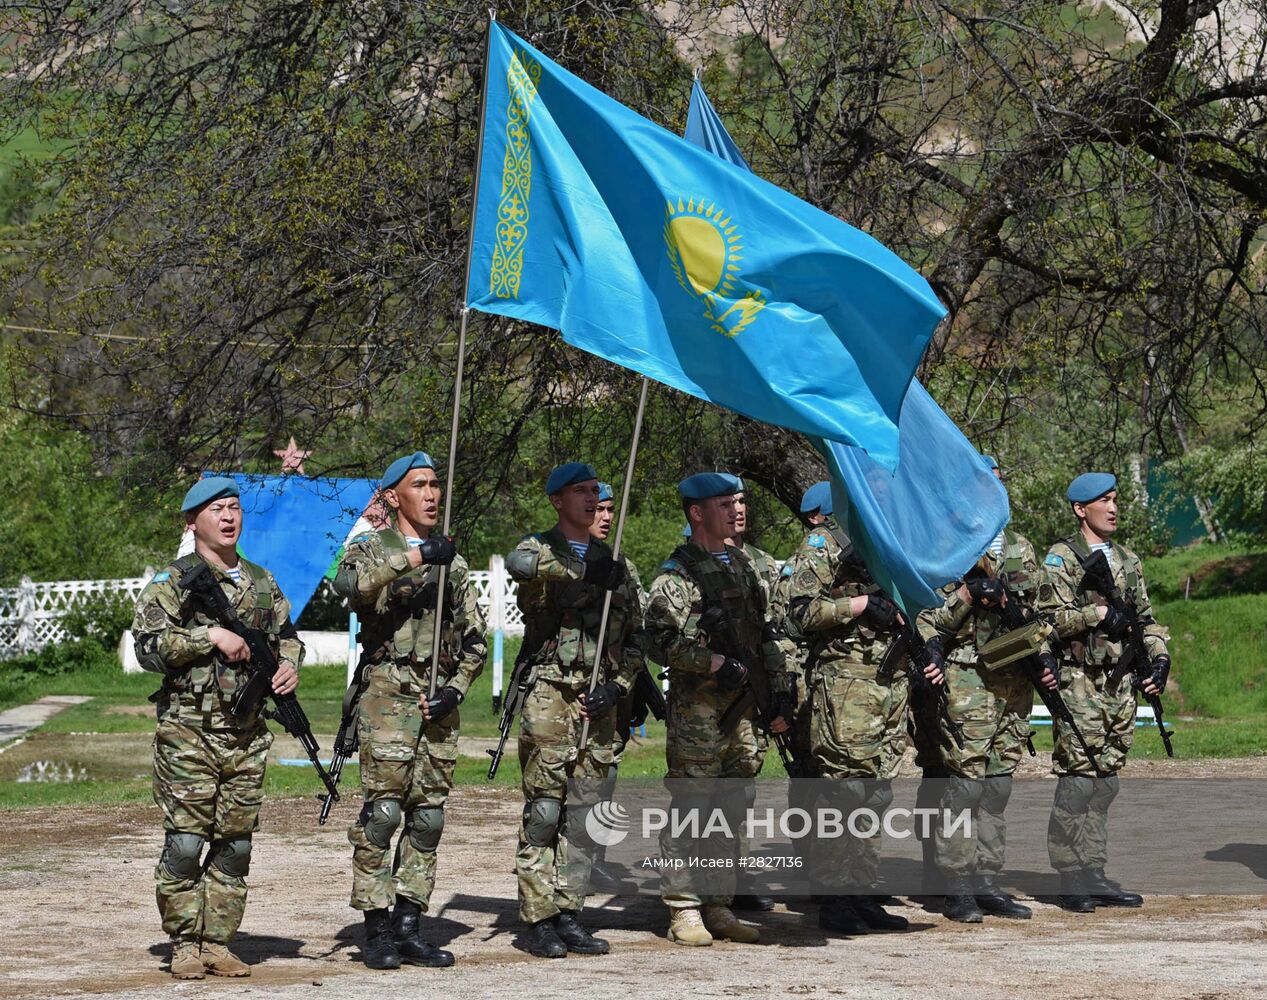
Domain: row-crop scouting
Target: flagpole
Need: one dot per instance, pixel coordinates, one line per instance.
(625, 490)
(437, 630)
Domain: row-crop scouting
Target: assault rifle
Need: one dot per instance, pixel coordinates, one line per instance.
(1099, 575)
(512, 704)
(262, 665)
(925, 694)
(646, 699)
(754, 694)
(1014, 618)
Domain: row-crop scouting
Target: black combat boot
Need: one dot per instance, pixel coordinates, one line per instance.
(960, 904)
(994, 901)
(1073, 894)
(544, 941)
(576, 938)
(752, 901)
(1105, 892)
(875, 916)
(379, 950)
(413, 949)
(837, 914)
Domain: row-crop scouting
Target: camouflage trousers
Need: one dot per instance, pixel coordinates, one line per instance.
(1078, 831)
(410, 766)
(857, 739)
(552, 865)
(210, 783)
(707, 770)
(991, 709)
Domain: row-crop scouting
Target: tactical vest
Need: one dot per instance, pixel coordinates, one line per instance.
(764, 566)
(402, 623)
(736, 588)
(1093, 647)
(561, 620)
(202, 694)
(854, 641)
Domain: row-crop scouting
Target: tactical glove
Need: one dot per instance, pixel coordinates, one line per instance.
(438, 551)
(879, 612)
(1114, 624)
(731, 674)
(781, 706)
(604, 572)
(444, 701)
(602, 699)
(1049, 662)
(984, 591)
(1161, 672)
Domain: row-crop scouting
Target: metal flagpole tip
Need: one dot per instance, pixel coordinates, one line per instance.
(699, 71)
(492, 13)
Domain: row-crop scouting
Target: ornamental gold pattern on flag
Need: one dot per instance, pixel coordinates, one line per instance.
(512, 211)
(705, 248)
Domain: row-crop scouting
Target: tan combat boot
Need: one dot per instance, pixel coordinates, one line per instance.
(219, 961)
(185, 961)
(686, 927)
(725, 924)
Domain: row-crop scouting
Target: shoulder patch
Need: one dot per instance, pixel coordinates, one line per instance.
(787, 568)
(160, 577)
(1053, 560)
(671, 566)
(364, 536)
(816, 542)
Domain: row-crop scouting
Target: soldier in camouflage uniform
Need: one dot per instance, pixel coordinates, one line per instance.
(816, 507)
(563, 576)
(991, 707)
(409, 741)
(1100, 698)
(858, 714)
(704, 590)
(208, 764)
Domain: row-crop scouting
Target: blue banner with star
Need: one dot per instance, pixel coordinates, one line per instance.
(644, 249)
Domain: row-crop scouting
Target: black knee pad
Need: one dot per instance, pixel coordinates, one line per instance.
(541, 821)
(998, 789)
(962, 794)
(181, 854)
(426, 823)
(1073, 793)
(379, 821)
(233, 855)
(1106, 790)
(879, 796)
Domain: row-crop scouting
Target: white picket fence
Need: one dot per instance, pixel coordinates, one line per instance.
(31, 613)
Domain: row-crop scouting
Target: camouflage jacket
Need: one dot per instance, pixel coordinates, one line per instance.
(1074, 608)
(826, 574)
(767, 569)
(562, 613)
(965, 629)
(692, 580)
(795, 652)
(396, 604)
(169, 631)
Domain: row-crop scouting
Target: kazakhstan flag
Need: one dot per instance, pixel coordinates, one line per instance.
(646, 250)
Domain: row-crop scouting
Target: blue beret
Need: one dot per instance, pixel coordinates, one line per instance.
(703, 485)
(990, 461)
(396, 471)
(206, 490)
(569, 474)
(817, 498)
(686, 531)
(604, 492)
(1091, 486)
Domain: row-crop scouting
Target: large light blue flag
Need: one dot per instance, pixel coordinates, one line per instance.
(925, 524)
(644, 249)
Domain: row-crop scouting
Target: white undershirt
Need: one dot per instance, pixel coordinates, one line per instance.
(996, 546)
(580, 548)
(723, 556)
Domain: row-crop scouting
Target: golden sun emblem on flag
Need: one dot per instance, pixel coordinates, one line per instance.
(705, 248)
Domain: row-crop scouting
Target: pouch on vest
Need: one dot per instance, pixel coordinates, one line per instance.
(1015, 645)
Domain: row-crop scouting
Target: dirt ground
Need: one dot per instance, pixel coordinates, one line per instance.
(78, 917)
